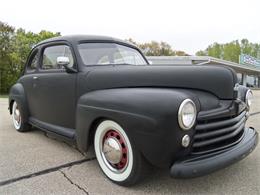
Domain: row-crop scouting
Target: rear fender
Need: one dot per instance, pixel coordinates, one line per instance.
(17, 94)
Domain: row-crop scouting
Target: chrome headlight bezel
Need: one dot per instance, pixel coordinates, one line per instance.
(248, 98)
(186, 102)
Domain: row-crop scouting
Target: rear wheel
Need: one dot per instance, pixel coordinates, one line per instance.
(117, 156)
(18, 120)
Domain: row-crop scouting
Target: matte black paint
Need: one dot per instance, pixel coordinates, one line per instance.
(146, 121)
(189, 168)
(144, 100)
(18, 94)
(205, 78)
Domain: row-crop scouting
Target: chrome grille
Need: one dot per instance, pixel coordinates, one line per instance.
(215, 135)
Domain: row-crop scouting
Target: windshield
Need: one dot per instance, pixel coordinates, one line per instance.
(109, 53)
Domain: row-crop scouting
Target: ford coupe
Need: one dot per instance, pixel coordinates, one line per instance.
(102, 91)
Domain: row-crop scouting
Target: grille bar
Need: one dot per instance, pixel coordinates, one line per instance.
(219, 139)
(218, 134)
(208, 134)
(209, 150)
(219, 124)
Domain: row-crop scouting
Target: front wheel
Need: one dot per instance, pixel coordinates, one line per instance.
(18, 120)
(117, 156)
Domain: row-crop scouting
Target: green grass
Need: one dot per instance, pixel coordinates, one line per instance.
(3, 96)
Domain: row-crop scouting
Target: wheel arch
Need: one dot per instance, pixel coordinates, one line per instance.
(92, 129)
(11, 102)
(17, 93)
(91, 134)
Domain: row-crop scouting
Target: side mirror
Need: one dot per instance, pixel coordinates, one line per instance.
(150, 62)
(65, 61)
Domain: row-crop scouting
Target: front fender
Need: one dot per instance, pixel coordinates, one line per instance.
(17, 94)
(148, 115)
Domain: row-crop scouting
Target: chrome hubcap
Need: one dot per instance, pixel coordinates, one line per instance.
(114, 151)
(16, 116)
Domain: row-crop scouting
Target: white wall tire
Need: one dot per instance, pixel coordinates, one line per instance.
(128, 173)
(17, 118)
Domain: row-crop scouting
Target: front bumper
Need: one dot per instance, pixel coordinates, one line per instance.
(199, 165)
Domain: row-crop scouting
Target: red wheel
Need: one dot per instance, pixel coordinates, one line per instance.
(115, 150)
(116, 155)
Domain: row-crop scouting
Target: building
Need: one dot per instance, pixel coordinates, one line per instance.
(248, 75)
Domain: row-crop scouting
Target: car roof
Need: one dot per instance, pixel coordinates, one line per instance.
(81, 38)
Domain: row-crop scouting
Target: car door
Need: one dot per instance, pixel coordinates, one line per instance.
(54, 88)
(26, 80)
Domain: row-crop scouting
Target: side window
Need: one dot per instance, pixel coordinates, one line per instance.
(32, 64)
(50, 55)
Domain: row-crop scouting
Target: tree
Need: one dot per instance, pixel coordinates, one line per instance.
(24, 42)
(180, 53)
(201, 53)
(15, 46)
(216, 50)
(6, 36)
(155, 48)
(231, 51)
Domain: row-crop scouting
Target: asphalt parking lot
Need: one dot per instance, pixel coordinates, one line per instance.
(37, 163)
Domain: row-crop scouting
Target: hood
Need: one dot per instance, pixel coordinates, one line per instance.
(217, 80)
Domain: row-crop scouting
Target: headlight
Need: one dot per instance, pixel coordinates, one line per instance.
(249, 97)
(187, 114)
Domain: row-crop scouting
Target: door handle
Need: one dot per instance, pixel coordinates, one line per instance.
(35, 78)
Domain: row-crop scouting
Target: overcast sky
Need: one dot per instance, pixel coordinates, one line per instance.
(188, 25)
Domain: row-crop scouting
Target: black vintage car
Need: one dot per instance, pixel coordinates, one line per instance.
(102, 91)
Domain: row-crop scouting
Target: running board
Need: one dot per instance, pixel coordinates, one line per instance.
(66, 132)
